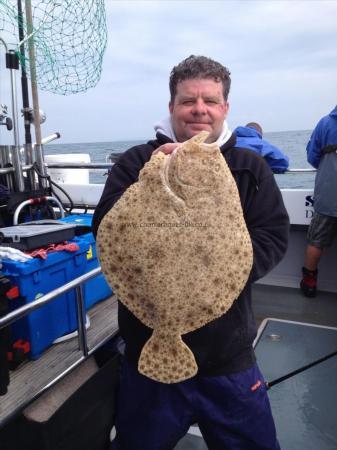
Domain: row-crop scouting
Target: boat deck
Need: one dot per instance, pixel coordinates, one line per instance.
(289, 304)
(31, 378)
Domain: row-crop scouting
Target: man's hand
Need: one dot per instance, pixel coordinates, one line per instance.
(167, 148)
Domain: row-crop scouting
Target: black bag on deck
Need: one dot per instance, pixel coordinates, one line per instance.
(83, 422)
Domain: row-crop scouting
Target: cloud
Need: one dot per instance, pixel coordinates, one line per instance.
(282, 55)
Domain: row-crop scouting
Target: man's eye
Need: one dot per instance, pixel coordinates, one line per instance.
(188, 102)
(211, 102)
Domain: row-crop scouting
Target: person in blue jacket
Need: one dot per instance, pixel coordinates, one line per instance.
(321, 154)
(250, 137)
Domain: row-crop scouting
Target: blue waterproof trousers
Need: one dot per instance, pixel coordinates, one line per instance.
(232, 411)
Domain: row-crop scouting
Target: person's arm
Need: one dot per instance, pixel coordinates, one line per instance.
(123, 174)
(268, 224)
(314, 146)
(276, 159)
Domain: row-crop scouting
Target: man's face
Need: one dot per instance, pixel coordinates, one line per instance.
(198, 105)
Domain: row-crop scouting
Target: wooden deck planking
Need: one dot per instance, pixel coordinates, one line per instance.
(31, 378)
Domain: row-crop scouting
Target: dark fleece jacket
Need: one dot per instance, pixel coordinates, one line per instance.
(225, 344)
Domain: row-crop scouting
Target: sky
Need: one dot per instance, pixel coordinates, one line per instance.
(282, 56)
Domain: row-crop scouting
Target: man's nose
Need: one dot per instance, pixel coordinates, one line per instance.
(199, 107)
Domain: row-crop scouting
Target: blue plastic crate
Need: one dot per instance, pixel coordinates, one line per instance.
(97, 288)
(37, 277)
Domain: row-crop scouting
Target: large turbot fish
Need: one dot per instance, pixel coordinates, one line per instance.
(176, 250)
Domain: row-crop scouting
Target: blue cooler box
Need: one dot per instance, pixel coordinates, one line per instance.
(37, 277)
(97, 288)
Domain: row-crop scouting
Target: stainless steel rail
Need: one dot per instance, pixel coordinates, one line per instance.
(76, 165)
(13, 316)
(97, 166)
(309, 170)
(6, 170)
(47, 198)
(31, 391)
(93, 166)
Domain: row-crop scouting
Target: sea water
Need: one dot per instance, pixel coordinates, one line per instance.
(292, 143)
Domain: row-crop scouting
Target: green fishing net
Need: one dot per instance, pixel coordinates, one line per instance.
(69, 39)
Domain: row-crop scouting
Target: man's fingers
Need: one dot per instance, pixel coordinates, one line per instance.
(166, 148)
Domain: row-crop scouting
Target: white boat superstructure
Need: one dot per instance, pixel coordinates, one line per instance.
(299, 204)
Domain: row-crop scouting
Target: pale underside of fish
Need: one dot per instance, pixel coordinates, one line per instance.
(176, 250)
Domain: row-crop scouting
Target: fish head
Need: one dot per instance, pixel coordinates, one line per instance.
(194, 166)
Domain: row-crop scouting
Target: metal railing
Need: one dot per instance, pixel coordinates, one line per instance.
(76, 165)
(18, 313)
(93, 166)
(309, 170)
(101, 166)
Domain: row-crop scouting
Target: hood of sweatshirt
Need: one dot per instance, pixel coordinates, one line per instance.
(334, 113)
(165, 127)
(247, 132)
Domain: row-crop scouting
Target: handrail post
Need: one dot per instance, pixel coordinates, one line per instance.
(81, 319)
(22, 311)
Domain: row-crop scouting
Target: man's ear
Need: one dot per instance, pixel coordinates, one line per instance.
(171, 107)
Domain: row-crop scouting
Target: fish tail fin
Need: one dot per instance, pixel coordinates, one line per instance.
(167, 359)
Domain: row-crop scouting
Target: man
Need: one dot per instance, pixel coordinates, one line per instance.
(228, 397)
(321, 154)
(250, 137)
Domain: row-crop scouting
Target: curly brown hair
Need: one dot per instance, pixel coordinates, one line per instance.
(197, 67)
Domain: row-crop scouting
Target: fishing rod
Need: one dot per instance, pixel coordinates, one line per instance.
(35, 97)
(4, 119)
(270, 384)
(12, 63)
(25, 97)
